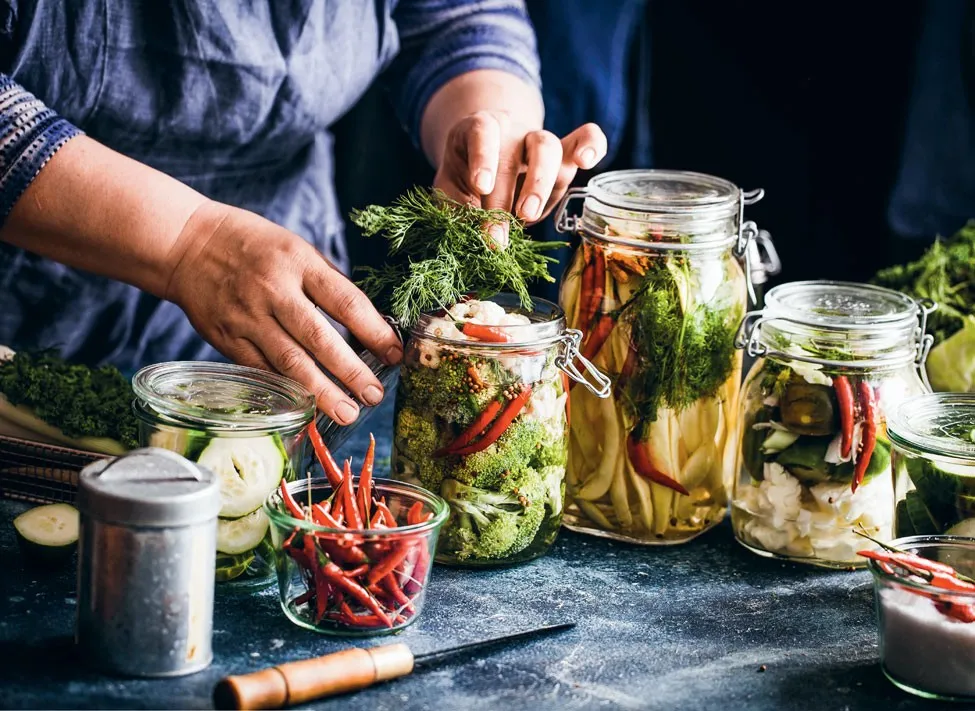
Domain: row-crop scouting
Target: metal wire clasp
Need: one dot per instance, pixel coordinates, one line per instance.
(565, 222)
(570, 339)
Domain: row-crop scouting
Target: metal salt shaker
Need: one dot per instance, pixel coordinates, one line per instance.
(146, 564)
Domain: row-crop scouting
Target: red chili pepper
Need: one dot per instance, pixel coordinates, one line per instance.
(387, 514)
(289, 501)
(868, 405)
(304, 597)
(396, 592)
(950, 582)
(597, 337)
(916, 564)
(324, 456)
(343, 547)
(357, 572)
(488, 334)
(844, 396)
(956, 610)
(593, 288)
(415, 512)
(640, 460)
(473, 430)
(364, 492)
(388, 564)
(566, 387)
(377, 520)
(363, 596)
(508, 414)
(348, 499)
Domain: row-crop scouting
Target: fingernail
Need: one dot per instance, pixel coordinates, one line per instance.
(394, 355)
(499, 235)
(587, 157)
(483, 181)
(531, 206)
(372, 395)
(346, 412)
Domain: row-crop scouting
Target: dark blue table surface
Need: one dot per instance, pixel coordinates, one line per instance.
(701, 626)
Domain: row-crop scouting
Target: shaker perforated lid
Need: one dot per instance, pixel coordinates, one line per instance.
(148, 487)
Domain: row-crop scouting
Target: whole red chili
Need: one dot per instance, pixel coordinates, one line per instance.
(844, 396)
(289, 501)
(388, 564)
(642, 465)
(476, 427)
(868, 406)
(508, 414)
(363, 596)
(364, 492)
(324, 457)
(488, 334)
(597, 337)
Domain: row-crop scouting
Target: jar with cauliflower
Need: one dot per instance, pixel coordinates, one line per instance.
(833, 359)
(481, 419)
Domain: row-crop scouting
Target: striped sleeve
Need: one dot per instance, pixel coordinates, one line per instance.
(30, 135)
(441, 39)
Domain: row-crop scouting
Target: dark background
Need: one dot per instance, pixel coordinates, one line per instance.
(806, 100)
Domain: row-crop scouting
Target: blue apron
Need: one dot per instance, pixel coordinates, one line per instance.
(232, 98)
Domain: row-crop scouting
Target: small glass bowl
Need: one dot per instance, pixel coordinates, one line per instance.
(401, 594)
(927, 646)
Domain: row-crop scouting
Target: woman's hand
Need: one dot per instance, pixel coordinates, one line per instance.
(250, 288)
(494, 161)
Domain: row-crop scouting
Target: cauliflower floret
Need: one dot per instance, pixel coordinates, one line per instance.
(779, 495)
(487, 313)
(771, 538)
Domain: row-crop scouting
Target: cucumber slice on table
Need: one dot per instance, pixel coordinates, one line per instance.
(48, 534)
(248, 469)
(240, 535)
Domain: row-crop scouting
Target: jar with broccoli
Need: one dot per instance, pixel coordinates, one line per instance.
(833, 359)
(481, 418)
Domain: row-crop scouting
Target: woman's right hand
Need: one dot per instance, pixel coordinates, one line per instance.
(250, 288)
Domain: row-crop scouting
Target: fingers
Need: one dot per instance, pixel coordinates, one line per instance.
(344, 302)
(289, 358)
(483, 148)
(585, 146)
(544, 155)
(309, 328)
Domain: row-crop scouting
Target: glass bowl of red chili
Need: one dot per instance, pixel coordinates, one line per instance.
(353, 557)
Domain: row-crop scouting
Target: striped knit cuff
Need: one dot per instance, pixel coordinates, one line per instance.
(30, 135)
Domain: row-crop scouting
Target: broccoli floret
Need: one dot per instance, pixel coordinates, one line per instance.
(489, 468)
(416, 439)
(552, 451)
(447, 390)
(494, 524)
(553, 479)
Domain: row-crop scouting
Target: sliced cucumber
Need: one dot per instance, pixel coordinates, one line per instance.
(248, 469)
(48, 534)
(241, 535)
(189, 443)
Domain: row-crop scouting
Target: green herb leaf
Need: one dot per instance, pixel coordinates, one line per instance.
(447, 255)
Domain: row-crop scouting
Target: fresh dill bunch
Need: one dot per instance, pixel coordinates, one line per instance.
(685, 356)
(445, 255)
(945, 273)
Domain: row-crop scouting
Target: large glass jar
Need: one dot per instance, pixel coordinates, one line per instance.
(657, 288)
(481, 419)
(248, 427)
(833, 359)
(934, 465)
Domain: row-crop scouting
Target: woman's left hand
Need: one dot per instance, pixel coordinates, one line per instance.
(492, 161)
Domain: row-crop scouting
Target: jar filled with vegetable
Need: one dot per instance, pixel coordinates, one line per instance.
(248, 427)
(658, 289)
(833, 359)
(481, 418)
(933, 439)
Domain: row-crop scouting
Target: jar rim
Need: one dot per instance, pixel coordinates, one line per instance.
(222, 397)
(547, 325)
(671, 191)
(930, 425)
(840, 304)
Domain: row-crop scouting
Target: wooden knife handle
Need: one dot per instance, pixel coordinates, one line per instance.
(307, 679)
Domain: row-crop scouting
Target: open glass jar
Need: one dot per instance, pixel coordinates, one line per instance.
(248, 427)
(833, 359)
(934, 465)
(480, 419)
(658, 290)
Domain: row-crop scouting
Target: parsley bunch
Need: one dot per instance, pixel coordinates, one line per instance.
(446, 255)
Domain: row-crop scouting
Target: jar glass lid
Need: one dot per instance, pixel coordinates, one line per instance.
(938, 424)
(223, 396)
(665, 191)
(840, 304)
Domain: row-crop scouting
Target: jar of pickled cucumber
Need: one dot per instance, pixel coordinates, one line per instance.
(833, 359)
(933, 457)
(481, 419)
(658, 289)
(244, 424)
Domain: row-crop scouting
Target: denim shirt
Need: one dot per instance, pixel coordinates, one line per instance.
(233, 98)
